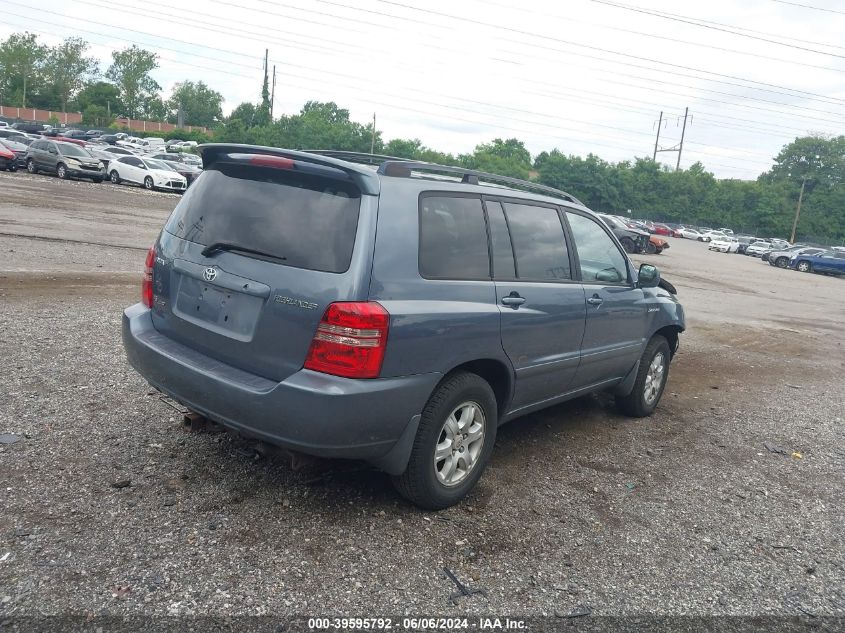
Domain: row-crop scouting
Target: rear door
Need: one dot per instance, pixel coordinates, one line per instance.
(132, 169)
(252, 256)
(616, 309)
(541, 304)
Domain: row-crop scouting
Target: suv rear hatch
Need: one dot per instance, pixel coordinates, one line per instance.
(253, 254)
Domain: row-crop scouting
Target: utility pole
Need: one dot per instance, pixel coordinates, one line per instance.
(675, 148)
(373, 141)
(273, 94)
(656, 140)
(23, 100)
(681, 146)
(798, 209)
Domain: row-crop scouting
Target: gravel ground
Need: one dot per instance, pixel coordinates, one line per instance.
(112, 507)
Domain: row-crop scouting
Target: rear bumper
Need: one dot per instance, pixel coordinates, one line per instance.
(308, 412)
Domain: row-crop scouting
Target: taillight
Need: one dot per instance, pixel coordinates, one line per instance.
(147, 283)
(350, 340)
(277, 162)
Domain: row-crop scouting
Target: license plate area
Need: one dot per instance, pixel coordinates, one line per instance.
(218, 309)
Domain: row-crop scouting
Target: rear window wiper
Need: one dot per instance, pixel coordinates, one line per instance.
(219, 247)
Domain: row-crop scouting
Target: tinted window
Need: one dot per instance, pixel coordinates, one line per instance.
(538, 242)
(308, 220)
(503, 262)
(68, 149)
(600, 258)
(453, 239)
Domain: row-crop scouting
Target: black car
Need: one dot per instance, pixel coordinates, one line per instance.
(632, 240)
(744, 242)
(109, 139)
(66, 160)
(190, 172)
(31, 128)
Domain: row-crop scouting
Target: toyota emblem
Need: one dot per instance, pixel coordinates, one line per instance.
(210, 273)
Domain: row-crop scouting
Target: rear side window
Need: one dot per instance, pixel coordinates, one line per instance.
(453, 238)
(538, 243)
(503, 260)
(308, 221)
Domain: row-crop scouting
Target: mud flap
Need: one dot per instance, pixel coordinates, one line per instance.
(627, 385)
(396, 460)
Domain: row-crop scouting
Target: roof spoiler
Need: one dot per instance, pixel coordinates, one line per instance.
(366, 179)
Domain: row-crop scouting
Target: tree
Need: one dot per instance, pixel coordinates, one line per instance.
(507, 158)
(200, 105)
(68, 68)
(97, 116)
(153, 108)
(101, 94)
(22, 61)
(130, 71)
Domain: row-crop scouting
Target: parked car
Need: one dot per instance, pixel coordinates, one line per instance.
(4, 124)
(744, 242)
(779, 244)
(19, 151)
(656, 245)
(726, 231)
(781, 258)
(152, 144)
(8, 158)
(632, 241)
(726, 244)
(130, 142)
(758, 248)
(177, 157)
(36, 128)
(828, 262)
(711, 235)
(689, 233)
(149, 173)
(378, 361)
(102, 155)
(117, 150)
(189, 172)
(108, 139)
(66, 160)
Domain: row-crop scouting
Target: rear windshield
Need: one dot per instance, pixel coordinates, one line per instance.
(308, 220)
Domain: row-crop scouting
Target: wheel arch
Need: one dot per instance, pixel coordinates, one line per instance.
(672, 334)
(495, 372)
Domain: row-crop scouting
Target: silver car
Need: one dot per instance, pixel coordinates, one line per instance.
(781, 258)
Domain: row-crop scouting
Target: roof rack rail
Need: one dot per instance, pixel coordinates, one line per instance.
(403, 167)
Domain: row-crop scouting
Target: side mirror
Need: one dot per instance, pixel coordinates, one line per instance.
(648, 277)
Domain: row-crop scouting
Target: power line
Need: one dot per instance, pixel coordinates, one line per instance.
(809, 6)
(689, 20)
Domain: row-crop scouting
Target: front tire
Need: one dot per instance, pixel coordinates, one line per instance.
(453, 444)
(650, 382)
(804, 267)
(12, 167)
(148, 183)
(61, 171)
(30, 166)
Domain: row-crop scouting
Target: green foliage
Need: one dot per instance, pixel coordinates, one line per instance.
(130, 71)
(68, 68)
(22, 61)
(101, 94)
(96, 116)
(507, 158)
(200, 105)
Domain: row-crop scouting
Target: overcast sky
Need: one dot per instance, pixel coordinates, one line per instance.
(582, 75)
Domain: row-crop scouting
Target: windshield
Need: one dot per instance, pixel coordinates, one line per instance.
(156, 164)
(68, 149)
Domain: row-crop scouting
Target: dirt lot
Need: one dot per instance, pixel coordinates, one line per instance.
(684, 513)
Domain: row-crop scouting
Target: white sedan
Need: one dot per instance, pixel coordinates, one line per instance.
(712, 235)
(724, 245)
(690, 234)
(149, 173)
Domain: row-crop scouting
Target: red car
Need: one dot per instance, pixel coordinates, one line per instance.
(662, 229)
(8, 160)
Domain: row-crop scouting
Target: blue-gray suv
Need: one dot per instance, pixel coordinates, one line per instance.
(394, 312)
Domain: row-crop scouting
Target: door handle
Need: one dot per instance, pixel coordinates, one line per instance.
(513, 300)
(595, 300)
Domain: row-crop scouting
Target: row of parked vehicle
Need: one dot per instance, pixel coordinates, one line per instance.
(780, 253)
(152, 163)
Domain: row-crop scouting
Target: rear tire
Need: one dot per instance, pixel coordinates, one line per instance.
(781, 262)
(12, 167)
(650, 382)
(148, 183)
(61, 171)
(628, 245)
(423, 483)
(30, 166)
(114, 177)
